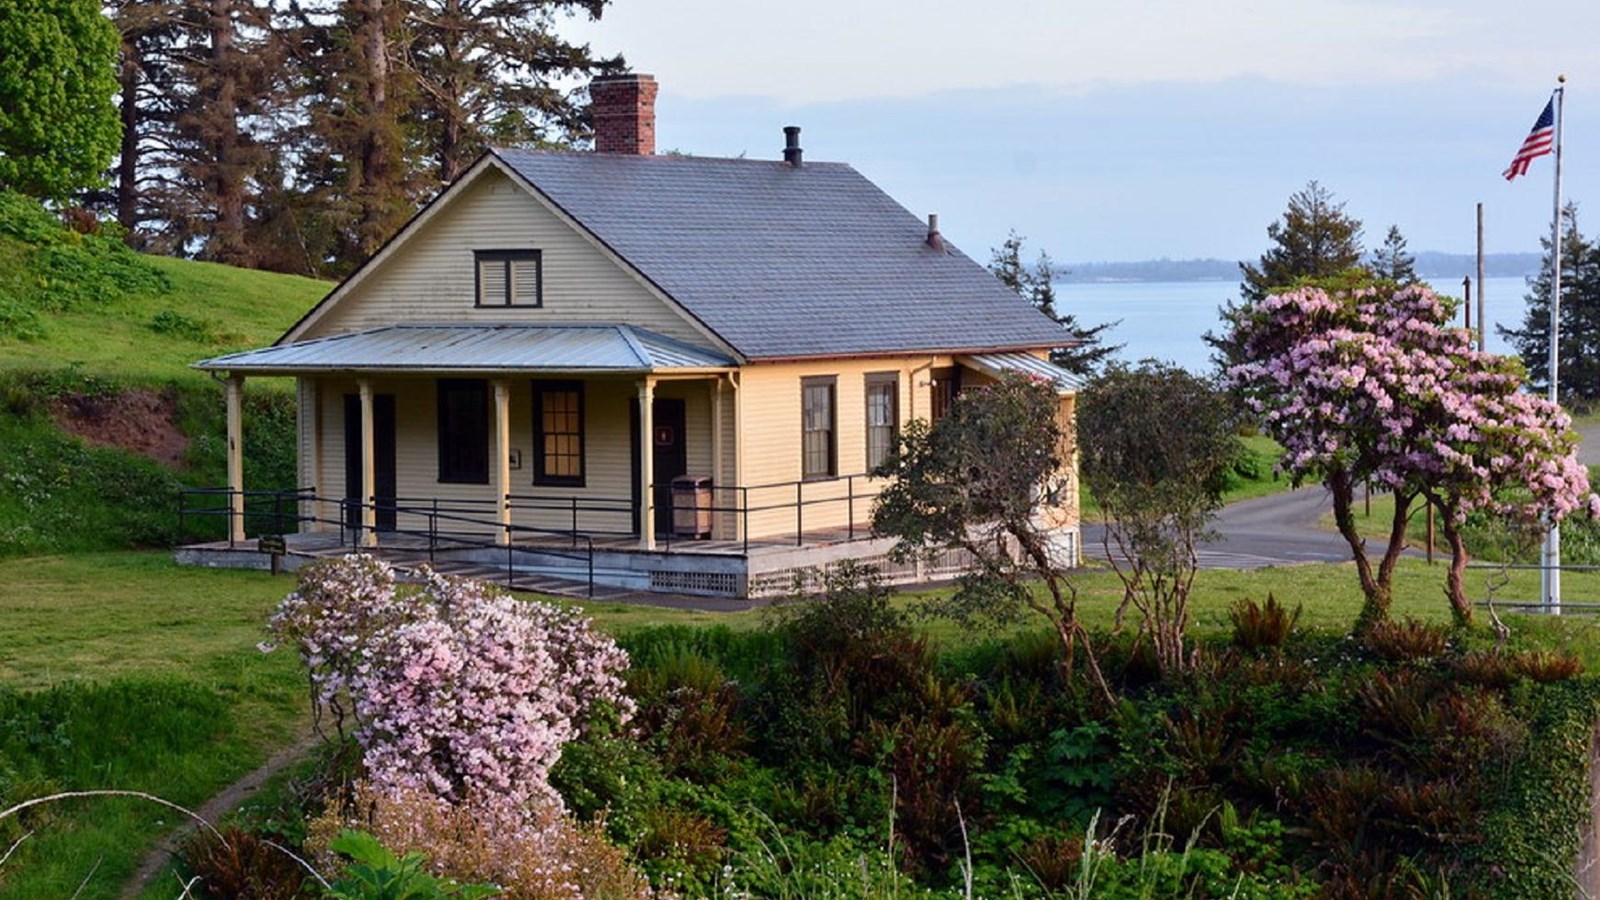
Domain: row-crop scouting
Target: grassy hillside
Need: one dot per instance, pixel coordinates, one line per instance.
(94, 334)
(68, 299)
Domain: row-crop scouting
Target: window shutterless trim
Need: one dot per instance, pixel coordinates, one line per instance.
(890, 380)
(509, 258)
(831, 383)
(541, 474)
(463, 445)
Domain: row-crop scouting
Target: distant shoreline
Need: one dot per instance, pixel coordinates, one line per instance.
(1431, 266)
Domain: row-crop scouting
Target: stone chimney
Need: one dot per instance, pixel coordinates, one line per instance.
(624, 109)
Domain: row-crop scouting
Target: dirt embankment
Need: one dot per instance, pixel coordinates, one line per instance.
(141, 420)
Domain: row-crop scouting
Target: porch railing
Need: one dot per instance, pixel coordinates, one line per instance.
(466, 522)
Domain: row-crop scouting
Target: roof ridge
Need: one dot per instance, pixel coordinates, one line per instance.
(665, 157)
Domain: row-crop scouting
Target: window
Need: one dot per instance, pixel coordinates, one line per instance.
(817, 450)
(883, 416)
(946, 384)
(509, 278)
(464, 430)
(558, 433)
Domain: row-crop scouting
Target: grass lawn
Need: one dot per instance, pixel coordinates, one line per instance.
(153, 674)
(1261, 455)
(120, 670)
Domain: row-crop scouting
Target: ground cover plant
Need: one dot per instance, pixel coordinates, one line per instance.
(687, 795)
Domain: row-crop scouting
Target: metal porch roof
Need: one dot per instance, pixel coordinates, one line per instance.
(1026, 364)
(453, 348)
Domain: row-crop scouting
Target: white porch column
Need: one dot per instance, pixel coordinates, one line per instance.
(716, 455)
(738, 458)
(308, 424)
(369, 469)
(235, 393)
(647, 463)
(502, 450)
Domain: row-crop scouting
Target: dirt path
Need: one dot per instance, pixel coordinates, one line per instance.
(230, 798)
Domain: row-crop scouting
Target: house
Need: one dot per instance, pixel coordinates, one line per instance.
(676, 371)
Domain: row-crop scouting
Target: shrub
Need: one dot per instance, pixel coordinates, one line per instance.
(1262, 625)
(1545, 666)
(1408, 640)
(688, 711)
(234, 864)
(533, 854)
(455, 689)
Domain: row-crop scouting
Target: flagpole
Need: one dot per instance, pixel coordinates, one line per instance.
(1550, 571)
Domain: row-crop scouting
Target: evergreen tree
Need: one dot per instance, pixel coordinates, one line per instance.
(1086, 349)
(1316, 242)
(1393, 262)
(1315, 239)
(1580, 317)
(490, 73)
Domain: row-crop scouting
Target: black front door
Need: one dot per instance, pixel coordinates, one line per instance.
(669, 457)
(383, 459)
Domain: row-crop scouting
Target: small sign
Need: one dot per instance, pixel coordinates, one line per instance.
(272, 543)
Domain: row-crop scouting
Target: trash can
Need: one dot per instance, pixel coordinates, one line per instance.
(691, 506)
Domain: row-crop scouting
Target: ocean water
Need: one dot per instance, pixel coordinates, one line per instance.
(1165, 320)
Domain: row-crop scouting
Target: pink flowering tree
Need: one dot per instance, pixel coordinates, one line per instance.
(1375, 385)
(454, 689)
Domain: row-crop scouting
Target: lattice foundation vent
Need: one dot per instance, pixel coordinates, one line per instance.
(713, 584)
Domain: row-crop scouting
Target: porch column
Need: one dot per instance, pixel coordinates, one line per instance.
(738, 458)
(716, 454)
(235, 393)
(369, 469)
(502, 449)
(647, 463)
(309, 419)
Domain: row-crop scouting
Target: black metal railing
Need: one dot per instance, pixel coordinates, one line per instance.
(457, 523)
(265, 512)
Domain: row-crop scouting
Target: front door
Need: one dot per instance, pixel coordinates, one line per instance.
(383, 459)
(669, 457)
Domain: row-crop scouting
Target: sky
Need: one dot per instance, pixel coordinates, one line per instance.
(1140, 129)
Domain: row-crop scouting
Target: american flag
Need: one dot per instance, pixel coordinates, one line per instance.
(1536, 144)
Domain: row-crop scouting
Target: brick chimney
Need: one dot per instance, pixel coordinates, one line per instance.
(624, 109)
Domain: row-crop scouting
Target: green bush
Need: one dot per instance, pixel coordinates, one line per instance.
(65, 269)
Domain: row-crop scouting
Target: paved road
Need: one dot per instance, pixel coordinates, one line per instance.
(1267, 531)
(1589, 445)
(1282, 529)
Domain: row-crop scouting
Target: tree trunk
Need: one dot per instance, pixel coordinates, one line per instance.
(1377, 586)
(128, 79)
(225, 166)
(1455, 579)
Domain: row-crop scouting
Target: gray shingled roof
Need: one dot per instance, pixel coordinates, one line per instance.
(453, 348)
(786, 262)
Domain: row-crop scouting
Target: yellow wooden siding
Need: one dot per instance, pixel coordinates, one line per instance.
(770, 421)
(608, 452)
(430, 279)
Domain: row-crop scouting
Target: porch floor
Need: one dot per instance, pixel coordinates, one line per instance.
(409, 553)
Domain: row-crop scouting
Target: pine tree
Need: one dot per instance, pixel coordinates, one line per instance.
(1315, 239)
(1392, 262)
(1086, 349)
(1580, 317)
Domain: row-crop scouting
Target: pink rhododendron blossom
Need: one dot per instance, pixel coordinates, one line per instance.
(455, 688)
(1378, 386)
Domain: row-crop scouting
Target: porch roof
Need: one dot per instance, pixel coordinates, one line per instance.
(477, 348)
(1026, 364)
